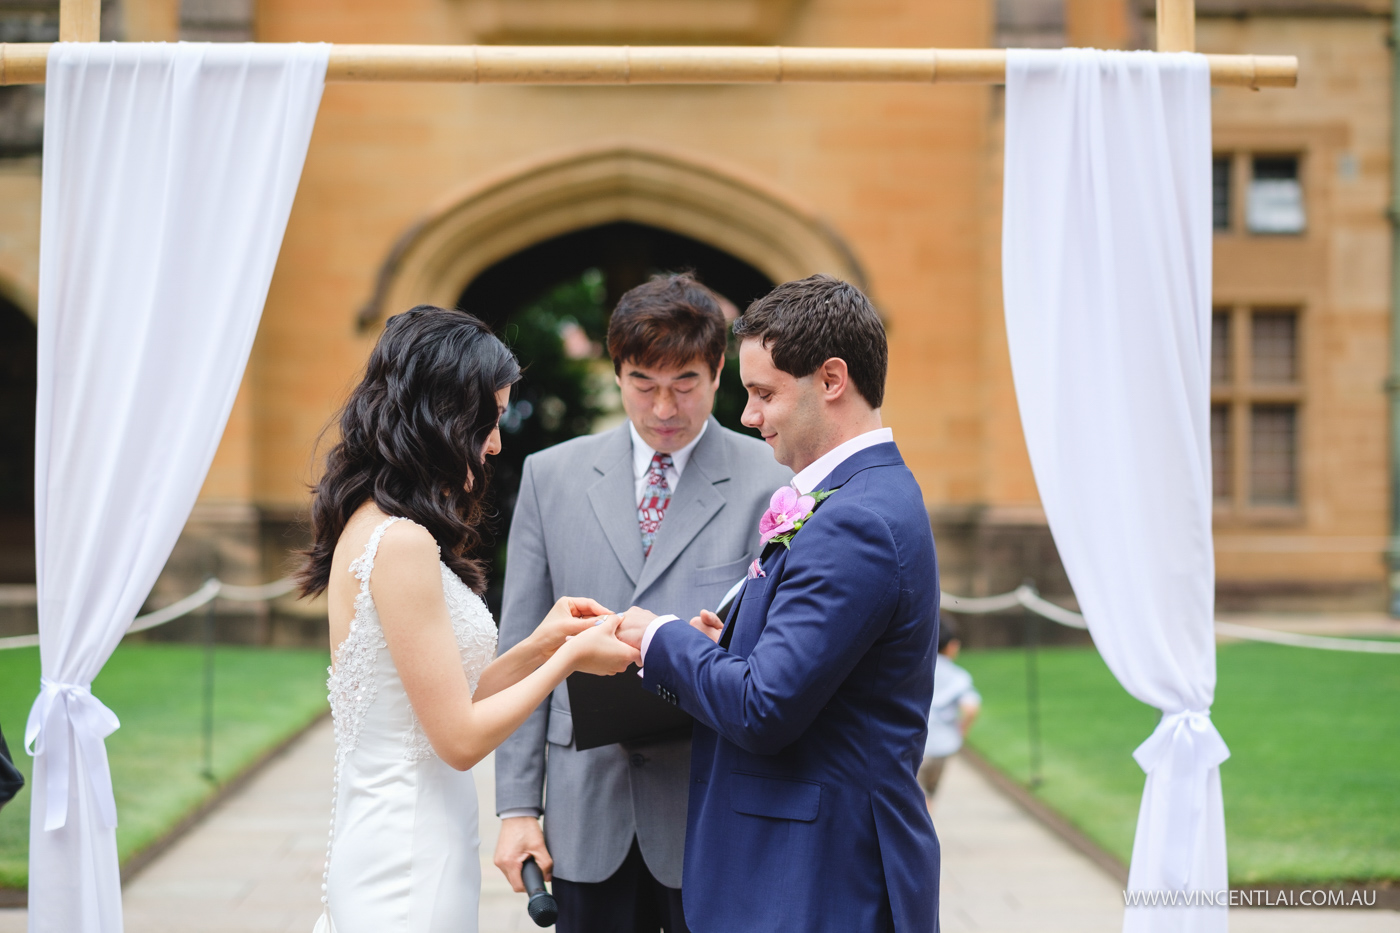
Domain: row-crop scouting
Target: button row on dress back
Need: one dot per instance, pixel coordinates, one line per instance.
(330, 840)
(363, 565)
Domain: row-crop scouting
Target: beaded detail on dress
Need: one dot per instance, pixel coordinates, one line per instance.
(351, 685)
(475, 632)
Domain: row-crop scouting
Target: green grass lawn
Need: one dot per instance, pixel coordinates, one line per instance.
(261, 696)
(1312, 787)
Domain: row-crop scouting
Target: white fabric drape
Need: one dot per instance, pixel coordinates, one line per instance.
(1106, 250)
(169, 173)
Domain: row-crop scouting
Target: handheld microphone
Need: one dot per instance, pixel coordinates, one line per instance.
(543, 910)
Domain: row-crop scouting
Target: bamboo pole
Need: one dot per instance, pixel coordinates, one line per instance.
(79, 20)
(23, 63)
(1392, 383)
(1176, 25)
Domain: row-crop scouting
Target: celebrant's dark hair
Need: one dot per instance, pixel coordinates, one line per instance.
(412, 438)
(809, 321)
(667, 322)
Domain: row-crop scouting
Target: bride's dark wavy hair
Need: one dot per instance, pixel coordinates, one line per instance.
(412, 436)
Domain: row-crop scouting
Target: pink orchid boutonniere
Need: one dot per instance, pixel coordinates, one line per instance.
(787, 511)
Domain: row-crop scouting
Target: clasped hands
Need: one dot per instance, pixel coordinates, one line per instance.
(576, 618)
(636, 621)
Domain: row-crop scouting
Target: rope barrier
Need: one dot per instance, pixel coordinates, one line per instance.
(1295, 640)
(1024, 597)
(211, 590)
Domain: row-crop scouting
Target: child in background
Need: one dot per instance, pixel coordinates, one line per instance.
(955, 706)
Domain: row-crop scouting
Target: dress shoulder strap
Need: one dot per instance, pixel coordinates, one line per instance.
(363, 565)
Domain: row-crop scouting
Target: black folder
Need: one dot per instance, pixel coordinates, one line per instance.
(618, 709)
(609, 710)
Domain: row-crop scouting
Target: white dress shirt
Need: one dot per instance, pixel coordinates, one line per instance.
(641, 461)
(822, 467)
(805, 482)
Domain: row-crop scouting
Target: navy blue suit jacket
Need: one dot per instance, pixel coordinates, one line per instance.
(805, 813)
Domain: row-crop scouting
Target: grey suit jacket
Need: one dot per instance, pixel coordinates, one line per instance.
(575, 534)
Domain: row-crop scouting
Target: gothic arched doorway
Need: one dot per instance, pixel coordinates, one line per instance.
(562, 236)
(551, 302)
(18, 387)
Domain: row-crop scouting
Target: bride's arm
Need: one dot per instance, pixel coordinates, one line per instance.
(509, 668)
(569, 616)
(407, 587)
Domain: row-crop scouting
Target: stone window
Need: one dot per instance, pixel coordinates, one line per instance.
(1220, 192)
(22, 105)
(1260, 194)
(1274, 204)
(1256, 401)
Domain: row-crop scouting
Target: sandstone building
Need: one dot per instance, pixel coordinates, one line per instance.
(493, 196)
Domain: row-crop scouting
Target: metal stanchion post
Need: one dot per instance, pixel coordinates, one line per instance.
(208, 771)
(1033, 696)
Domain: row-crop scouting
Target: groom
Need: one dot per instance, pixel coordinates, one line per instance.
(811, 703)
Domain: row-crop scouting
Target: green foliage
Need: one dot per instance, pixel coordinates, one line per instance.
(732, 397)
(1312, 787)
(261, 696)
(560, 395)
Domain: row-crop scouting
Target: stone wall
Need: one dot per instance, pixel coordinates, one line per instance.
(906, 182)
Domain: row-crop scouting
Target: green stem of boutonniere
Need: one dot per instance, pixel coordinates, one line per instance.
(786, 539)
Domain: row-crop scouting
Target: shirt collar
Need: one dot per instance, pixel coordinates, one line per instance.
(642, 454)
(819, 469)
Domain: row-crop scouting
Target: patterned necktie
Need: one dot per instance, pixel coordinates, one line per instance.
(656, 495)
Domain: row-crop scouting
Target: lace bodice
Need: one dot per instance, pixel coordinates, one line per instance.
(361, 664)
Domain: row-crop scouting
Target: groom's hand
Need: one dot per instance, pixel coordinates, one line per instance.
(708, 624)
(634, 626)
(521, 837)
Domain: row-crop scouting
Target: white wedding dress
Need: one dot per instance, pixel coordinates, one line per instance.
(403, 855)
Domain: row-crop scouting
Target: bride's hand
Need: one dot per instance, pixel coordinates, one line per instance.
(569, 616)
(596, 650)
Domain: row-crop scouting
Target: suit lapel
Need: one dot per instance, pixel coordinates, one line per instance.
(886, 454)
(612, 496)
(877, 456)
(771, 559)
(697, 499)
(726, 636)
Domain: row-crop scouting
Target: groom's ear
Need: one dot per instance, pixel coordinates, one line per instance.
(834, 378)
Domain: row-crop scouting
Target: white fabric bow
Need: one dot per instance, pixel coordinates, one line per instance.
(1187, 743)
(61, 711)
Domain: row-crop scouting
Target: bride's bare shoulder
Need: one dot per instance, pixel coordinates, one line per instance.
(406, 578)
(406, 556)
(407, 540)
(407, 552)
(355, 536)
(401, 540)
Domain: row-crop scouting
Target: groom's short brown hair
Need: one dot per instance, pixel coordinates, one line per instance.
(809, 321)
(668, 321)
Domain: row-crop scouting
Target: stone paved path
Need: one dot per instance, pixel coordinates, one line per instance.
(254, 866)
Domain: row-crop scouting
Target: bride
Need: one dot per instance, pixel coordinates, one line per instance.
(417, 693)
